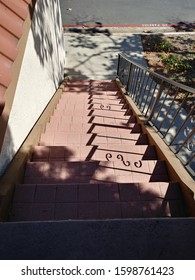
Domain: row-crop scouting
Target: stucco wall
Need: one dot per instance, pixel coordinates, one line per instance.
(41, 72)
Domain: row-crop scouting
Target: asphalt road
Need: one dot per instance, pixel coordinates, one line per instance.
(119, 12)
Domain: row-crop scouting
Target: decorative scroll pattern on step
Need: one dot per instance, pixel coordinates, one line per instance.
(126, 163)
(107, 107)
(108, 156)
(137, 164)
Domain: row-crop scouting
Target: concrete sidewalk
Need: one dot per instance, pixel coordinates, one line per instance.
(94, 54)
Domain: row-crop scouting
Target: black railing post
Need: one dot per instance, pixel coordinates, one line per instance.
(155, 101)
(129, 76)
(118, 66)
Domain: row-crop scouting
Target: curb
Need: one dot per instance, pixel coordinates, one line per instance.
(150, 27)
(130, 30)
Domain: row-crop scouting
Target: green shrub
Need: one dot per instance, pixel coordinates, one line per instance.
(174, 63)
(164, 46)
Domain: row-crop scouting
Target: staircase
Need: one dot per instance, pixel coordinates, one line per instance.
(94, 162)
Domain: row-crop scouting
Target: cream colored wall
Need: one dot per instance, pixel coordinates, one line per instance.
(41, 72)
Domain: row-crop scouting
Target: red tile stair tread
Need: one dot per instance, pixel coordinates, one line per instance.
(68, 124)
(113, 202)
(124, 192)
(65, 153)
(91, 171)
(60, 138)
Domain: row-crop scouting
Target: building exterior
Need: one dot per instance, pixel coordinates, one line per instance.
(32, 61)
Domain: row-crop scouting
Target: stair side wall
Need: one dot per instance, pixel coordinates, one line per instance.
(40, 75)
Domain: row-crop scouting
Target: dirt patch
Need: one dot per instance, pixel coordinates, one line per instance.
(172, 56)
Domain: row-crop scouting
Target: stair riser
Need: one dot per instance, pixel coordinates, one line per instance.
(95, 211)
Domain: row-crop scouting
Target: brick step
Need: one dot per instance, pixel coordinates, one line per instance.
(119, 171)
(79, 107)
(111, 135)
(73, 98)
(96, 201)
(86, 153)
(110, 109)
(91, 92)
(117, 127)
(133, 139)
(79, 82)
(118, 101)
(105, 88)
(88, 124)
(105, 84)
(107, 107)
(89, 117)
(91, 89)
(88, 96)
(101, 91)
(92, 82)
(110, 113)
(70, 112)
(76, 88)
(100, 95)
(75, 101)
(87, 100)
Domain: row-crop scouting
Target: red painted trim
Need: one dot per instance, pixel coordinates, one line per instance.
(131, 25)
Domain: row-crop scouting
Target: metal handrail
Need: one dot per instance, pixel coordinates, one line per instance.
(162, 101)
(161, 77)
